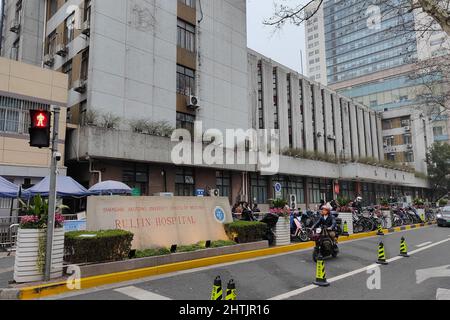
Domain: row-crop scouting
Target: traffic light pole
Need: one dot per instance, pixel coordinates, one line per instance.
(52, 196)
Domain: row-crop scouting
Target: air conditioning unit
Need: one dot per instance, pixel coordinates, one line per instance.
(15, 27)
(331, 137)
(293, 202)
(61, 50)
(49, 60)
(407, 129)
(214, 193)
(193, 102)
(410, 146)
(80, 86)
(86, 28)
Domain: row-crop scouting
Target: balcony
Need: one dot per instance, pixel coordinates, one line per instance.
(441, 138)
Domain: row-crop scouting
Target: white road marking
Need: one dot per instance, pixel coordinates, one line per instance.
(140, 294)
(443, 294)
(223, 265)
(438, 272)
(424, 244)
(349, 274)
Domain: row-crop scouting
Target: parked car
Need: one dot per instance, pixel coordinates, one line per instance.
(443, 217)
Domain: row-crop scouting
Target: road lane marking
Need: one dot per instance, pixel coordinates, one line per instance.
(424, 244)
(293, 293)
(113, 286)
(443, 294)
(140, 294)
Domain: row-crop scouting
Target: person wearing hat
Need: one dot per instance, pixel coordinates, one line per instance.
(327, 221)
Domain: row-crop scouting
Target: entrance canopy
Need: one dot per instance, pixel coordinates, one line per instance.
(8, 189)
(110, 187)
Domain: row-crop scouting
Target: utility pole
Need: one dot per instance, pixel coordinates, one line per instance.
(52, 195)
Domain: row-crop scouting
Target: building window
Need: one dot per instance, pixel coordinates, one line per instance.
(390, 157)
(289, 103)
(51, 43)
(406, 122)
(184, 182)
(53, 7)
(67, 69)
(409, 156)
(275, 99)
(87, 10)
(438, 131)
(407, 139)
(260, 97)
(84, 65)
(387, 124)
(320, 189)
(186, 35)
(291, 185)
(14, 114)
(15, 50)
(136, 176)
(189, 3)
(69, 29)
(388, 141)
(259, 188)
(223, 183)
(185, 81)
(186, 121)
(18, 14)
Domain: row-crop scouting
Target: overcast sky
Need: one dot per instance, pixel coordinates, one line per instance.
(283, 46)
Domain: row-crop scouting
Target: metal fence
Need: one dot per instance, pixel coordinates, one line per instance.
(8, 232)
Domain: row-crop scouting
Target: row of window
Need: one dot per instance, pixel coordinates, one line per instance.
(14, 114)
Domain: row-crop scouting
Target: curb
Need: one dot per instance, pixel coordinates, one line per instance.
(57, 288)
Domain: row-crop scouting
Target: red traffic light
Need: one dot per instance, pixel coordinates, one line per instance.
(40, 119)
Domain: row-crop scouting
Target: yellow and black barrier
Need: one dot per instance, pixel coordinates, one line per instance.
(217, 292)
(231, 291)
(403, 248)
(381, 254)
(321, 277)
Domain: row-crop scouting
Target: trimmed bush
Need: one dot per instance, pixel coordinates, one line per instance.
(222, 243)
(97, 246)
(245, 231)
(152, 252)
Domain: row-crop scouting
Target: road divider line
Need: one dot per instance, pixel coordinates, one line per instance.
(58, 288)
(296, 292)
(140, 294)
(424, 244)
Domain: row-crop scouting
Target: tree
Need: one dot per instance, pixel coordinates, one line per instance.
(439, 169)
(438, 10)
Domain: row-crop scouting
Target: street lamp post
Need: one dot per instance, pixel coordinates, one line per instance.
(52, 196)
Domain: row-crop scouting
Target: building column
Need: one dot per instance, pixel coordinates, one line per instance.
(368, 134)
(345, 114)
(319, 134)
(337, 125)
(354, 130)
(380, 136)
(361, 132)
(283, 108)
(267, 75)
(297, 121)
(375, 144)
(307, 115)
(329, 121)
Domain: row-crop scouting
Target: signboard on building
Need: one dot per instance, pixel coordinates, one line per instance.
(278, 189)
(136, 192)
(200, 192)
(160, 221)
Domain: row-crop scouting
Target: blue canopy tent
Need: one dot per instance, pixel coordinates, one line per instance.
(109, 188)
(65, 187)
(8, 189)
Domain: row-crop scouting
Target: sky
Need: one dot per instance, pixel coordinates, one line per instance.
(283, 45)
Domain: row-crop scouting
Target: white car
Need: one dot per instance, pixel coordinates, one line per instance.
(443, 217)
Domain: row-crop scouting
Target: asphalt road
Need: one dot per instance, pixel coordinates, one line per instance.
(290, 276)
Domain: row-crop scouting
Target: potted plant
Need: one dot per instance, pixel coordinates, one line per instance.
(29, 263)
(345, 213)
(282, 231)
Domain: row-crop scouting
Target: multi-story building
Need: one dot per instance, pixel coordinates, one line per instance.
(22, 30)
(371, 55)
(138, 67)
(24, 87)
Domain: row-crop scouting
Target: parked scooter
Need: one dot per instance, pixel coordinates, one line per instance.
(271, 220)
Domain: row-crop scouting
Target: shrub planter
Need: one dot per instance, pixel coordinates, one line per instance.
(26, 265)
(282, 232)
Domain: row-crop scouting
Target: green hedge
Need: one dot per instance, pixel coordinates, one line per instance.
(189, 248)
(245, 231)
(102, 246)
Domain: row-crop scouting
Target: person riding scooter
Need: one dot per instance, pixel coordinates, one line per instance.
(327, 221)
